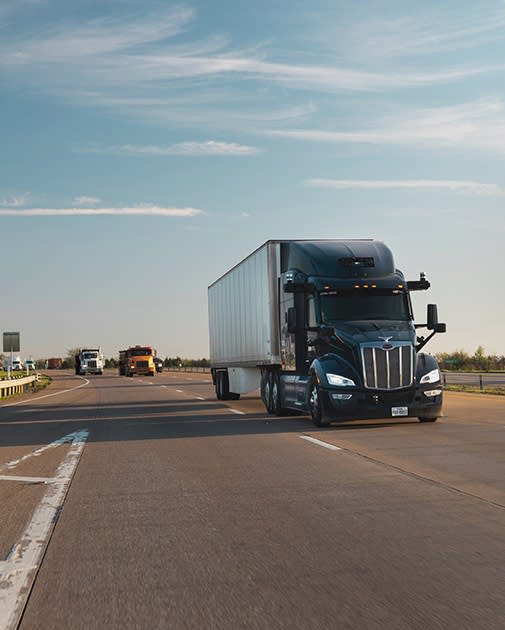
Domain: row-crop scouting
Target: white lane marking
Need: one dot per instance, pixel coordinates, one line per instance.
(179, 390)
(63, 391)
(239, 413)
(199, 398)
(19, 571)
(28, 479)
(64, 440)
(330, 447)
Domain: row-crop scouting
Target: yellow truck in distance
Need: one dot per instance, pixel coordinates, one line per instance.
(137, 360)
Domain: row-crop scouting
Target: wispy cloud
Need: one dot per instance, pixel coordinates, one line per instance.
(460, 186)
(427, 33)
(476, 125)
(137, 61)
(16, 201)
(84, 200)
(154, 211)
(209, 148)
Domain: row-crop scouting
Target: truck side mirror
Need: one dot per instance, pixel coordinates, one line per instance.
(291, 320)
(432, 319)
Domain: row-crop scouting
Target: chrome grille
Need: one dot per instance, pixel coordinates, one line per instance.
(92, 363)
(391, 368)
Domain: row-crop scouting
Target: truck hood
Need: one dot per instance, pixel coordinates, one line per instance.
(355, 333)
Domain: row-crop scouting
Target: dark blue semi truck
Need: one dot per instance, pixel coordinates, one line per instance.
(324, 327)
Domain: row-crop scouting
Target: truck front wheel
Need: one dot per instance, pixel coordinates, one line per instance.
(316, 411)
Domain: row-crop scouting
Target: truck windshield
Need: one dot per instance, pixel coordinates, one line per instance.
(89, 355)
(140, 352)
(364, 307)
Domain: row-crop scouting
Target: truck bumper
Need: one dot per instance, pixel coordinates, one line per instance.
(371, 404)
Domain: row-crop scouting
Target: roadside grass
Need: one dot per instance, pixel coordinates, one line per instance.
(42, 383)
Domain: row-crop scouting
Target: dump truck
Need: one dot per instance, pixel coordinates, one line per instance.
(324, 327)
(137, 360)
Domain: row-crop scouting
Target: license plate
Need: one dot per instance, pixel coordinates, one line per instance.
(399, 411)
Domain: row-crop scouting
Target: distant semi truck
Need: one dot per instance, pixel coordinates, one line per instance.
(89, 361)
(54, 363)
(137, 360)
(15, 365)
(324, 327)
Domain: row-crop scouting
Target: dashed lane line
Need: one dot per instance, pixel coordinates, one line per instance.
(330, 447)
(29, 479)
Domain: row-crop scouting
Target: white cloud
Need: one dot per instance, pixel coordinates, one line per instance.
(86, 201)
(426, 33)
(462, 186)
(476, 125)
(15, 201)
(210, 148)
(136, 61)
(154, 211)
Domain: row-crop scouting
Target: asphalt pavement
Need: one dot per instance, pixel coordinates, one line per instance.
(180, 511)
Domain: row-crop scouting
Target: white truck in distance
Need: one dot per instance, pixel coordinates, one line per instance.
(89, 361)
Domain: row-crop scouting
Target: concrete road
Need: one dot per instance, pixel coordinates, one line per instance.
(184, 512)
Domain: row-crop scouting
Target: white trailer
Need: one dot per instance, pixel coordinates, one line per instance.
(244, 322)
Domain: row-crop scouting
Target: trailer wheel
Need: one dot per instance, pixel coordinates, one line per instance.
(219, 385)
(423, 419)
(223, 387)
(315, 406)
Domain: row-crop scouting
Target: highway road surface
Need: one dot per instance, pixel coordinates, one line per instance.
(145, 503)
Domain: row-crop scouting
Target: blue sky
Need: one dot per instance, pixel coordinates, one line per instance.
(148, 147)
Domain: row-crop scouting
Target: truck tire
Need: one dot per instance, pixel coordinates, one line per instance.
(266, 390)
(316, 411)
(220, 386)
(275, 395)
(422, 419)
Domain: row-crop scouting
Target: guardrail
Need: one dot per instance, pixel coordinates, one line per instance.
(9, 387)
(479, 380)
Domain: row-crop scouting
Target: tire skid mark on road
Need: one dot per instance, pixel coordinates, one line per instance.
(18, 572)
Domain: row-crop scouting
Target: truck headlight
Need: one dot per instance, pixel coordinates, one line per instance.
(340, 381)
(431, 377)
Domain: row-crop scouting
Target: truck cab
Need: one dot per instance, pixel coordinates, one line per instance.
(349, 347)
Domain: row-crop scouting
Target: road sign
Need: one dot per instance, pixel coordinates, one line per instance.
(11, 342)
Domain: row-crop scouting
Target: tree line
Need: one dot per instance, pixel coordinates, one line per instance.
(459, 360)
(479, 361)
